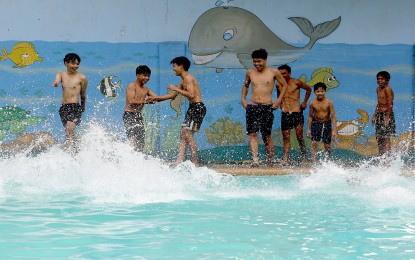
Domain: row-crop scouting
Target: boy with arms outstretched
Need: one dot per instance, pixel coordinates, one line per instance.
(321, 125)
(188, 87)
(136, 98)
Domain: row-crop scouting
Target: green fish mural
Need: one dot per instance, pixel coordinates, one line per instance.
(14, 120)
(324, 75)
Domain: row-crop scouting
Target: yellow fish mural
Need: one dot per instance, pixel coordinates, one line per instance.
(22, 54)
(324, 75)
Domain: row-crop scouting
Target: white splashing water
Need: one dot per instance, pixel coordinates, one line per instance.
(107, 170)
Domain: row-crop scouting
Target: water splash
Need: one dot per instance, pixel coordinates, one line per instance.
(108, 170)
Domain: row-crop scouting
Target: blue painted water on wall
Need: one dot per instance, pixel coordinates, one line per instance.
(354, 66)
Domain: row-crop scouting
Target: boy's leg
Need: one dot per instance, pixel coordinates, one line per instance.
(314, 145)
(327, 147)
(253, 148)
(70, 132)
(190, 140)
(300, 138)
(287, 145)
(182, 147)
(381, 145)
(269, 148)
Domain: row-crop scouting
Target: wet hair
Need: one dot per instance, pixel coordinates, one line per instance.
(384, 74)
(285, 67)
(260, 54)
(320, 85)
(143, 69)
(71, 57)
(181, 61)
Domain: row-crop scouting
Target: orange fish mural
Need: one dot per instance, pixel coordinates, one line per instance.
(22, 54)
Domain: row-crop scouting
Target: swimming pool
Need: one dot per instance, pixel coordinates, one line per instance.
(108, 202)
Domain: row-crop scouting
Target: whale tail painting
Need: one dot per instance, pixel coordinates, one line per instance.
(224, 38)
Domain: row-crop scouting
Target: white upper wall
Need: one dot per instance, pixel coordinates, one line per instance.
(363, 21)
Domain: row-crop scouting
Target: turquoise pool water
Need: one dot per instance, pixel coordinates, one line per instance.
(109, 203)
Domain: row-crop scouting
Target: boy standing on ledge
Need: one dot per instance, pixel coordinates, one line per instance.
(188, 87)
(74, 85)
(260, 109)
(383, 116)
(321, 125)
(136, 95)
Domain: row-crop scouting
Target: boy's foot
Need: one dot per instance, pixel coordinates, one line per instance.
(173, 164)
(285, 163)
(254, 164)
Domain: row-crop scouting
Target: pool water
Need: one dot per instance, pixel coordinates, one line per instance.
(107, 202)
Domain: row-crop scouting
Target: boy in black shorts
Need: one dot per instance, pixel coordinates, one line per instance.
(74, 86)
(321, 125)
(136, 97)
(188, 87)
(260, 109)
(383, 116)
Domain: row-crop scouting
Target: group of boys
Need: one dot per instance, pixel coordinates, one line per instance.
(321, 124)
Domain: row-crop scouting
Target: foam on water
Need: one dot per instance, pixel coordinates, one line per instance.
(107, 170)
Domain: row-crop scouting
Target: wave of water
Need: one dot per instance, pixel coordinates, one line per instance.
(107, 170)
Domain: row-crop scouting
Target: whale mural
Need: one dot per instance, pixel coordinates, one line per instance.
(224, 38)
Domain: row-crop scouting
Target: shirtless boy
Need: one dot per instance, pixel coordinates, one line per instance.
(136, 97)
(322, 121)
(292, 112)
(188, 87)
(383, 116)
(74, 85)
(259, 110)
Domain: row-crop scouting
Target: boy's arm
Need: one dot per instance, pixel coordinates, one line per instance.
(188, 91)
(333, 120)
(307, 94)
(389, 100)
(376, 111)
(170, 95)
(58, 79)
(310, 118)
(84, 85)
(150, 97)
(245, 89)
(283, 89)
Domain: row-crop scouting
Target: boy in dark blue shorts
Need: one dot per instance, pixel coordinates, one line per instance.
(321, 125)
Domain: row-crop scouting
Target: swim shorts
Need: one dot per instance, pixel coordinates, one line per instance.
(321, 131)
(291, 120)
(134, 126)
(194, 116)
(259, 118)
(383, 131)
(70, 112)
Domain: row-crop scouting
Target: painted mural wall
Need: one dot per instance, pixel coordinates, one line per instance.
(341, 43)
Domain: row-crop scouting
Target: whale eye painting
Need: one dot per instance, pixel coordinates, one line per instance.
(207, 129)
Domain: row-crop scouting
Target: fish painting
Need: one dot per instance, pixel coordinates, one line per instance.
(22, 54)
(108, 88)
(15, 120)
(324, 75)
(224, 38)
(176, 104)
